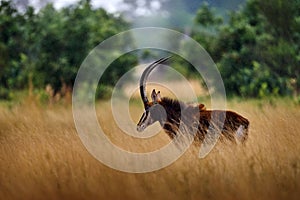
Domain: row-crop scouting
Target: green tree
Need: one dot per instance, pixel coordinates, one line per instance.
(48, 46)
(206, 17)
(10, 46)
(283, 55)
(257, 54)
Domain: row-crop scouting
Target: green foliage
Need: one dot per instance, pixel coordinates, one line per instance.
(104, 92)
(43, 97)
(48, 46)
(257, 52)
(117, 68)
(257, 49)
(4, 93)
(206, 17)
(10, 39)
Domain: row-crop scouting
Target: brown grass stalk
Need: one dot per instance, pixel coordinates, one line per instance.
(41, 157)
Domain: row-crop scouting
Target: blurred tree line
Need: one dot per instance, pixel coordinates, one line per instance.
(257, 49)
(44, 47)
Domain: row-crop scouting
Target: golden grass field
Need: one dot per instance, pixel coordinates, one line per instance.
(42, 157)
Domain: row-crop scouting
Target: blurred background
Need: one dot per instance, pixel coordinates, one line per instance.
(255, 44)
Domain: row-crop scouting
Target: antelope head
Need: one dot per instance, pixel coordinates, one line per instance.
(153, 110)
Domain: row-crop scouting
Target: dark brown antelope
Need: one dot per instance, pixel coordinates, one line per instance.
(169, 113)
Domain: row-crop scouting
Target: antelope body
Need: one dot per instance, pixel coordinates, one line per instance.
(169, 113)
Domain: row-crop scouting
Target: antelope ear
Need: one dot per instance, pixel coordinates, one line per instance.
(202, 107)
(158, 97)
(153, 95)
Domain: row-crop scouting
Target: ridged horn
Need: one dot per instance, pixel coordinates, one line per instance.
(144, 78)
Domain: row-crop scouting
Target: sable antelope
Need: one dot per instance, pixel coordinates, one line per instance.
(168, 113)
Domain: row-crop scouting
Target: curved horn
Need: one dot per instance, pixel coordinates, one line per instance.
(144, 78)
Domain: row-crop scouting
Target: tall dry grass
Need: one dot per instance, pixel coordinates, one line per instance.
(41, 157)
